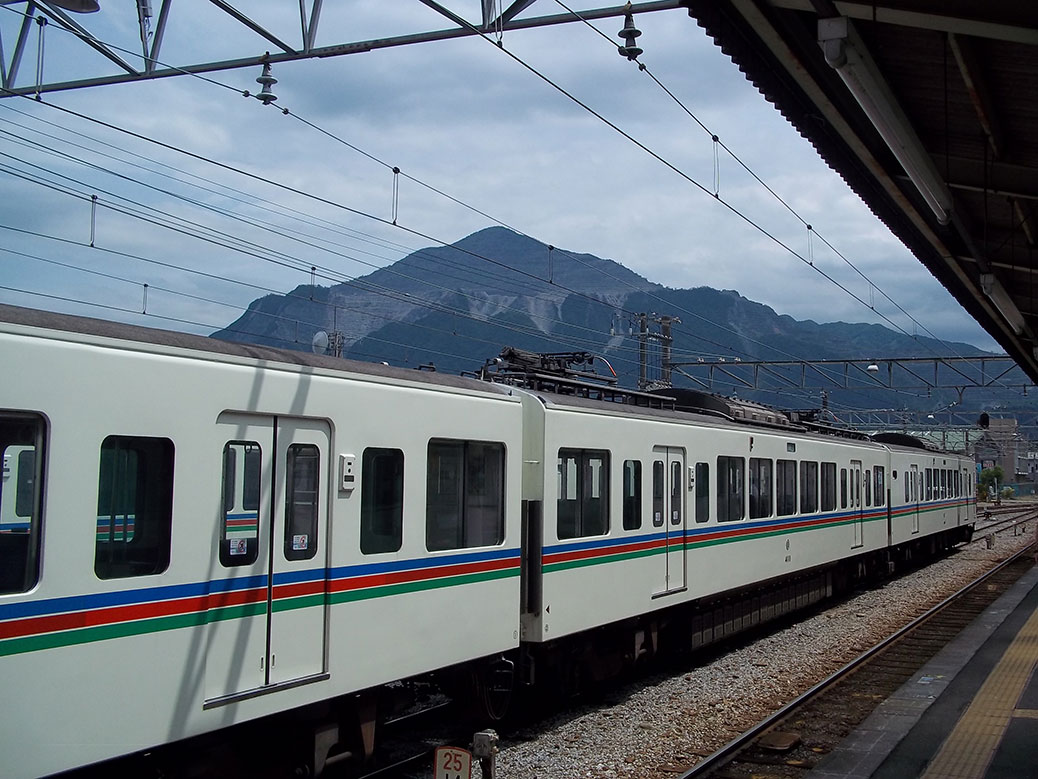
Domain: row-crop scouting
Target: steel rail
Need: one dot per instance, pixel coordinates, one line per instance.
(729, 750)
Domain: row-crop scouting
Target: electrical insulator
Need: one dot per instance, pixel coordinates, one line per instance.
(629, 33)
(266, 80)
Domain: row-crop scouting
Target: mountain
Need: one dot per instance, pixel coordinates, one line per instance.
(456, 306)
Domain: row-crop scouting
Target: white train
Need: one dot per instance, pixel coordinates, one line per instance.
(196, 534)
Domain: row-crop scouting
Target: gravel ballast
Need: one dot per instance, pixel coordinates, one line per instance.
(661, 726)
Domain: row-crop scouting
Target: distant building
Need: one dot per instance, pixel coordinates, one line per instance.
(1002, 444)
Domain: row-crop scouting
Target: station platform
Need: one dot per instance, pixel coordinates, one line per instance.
(971, 712)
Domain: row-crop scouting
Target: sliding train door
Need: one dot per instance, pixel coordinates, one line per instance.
(913, 496)
(857, 507)
(668, 513)
(267, 600)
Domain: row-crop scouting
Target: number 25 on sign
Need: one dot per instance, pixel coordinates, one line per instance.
(453, 763)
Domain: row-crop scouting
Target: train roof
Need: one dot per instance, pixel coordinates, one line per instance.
(715, 417)
(213, 347)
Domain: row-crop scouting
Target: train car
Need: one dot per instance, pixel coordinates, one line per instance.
(199, 537)
(206, 534)
(688, 526)
(932, 495)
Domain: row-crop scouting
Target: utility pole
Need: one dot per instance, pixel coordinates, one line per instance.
(643, 348)
(664, 338)
(666, 342)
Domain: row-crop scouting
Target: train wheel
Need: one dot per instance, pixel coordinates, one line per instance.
(493, 687)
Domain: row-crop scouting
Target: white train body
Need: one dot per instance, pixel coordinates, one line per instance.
(215, 533)
(669, 550)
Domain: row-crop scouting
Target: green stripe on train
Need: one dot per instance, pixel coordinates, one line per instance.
(613, 558)
(403, 588)
(75, 636)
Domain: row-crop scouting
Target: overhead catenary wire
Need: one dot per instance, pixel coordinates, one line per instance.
(192, 154)
(260, 251)
(474, 254)
(239, 282)
(285, 111)
(191, 322)
(642, 67)
(733, 332)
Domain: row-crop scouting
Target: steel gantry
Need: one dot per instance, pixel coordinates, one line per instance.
(892, 373)
(151, 52)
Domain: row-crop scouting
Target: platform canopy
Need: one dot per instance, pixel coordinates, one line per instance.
(929, 110)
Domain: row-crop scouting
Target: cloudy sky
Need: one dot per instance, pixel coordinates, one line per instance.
(459, 116)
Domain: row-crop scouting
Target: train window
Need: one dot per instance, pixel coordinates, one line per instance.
(677, 493)
(760, 487)
(808, 487)
(908, 487)
(657, 493)
(843, 488)
(24, 491)
(583, 501)
(878, 476)
(868, 487)
(465, 494)
(230, 456)
(786, 487)
(21, 483)
(134, 507)
(632, 494)
(302, 501)
(702, 492)
(239, 536)
(730, 489)
(381, 500)
(828, 486)
(929, 484)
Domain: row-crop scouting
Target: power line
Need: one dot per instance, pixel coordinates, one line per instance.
(355, 211)
(642, 67)
(257, 251)
(629, 138)
(372, 157)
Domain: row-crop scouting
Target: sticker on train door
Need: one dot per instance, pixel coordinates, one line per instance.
(453, 763)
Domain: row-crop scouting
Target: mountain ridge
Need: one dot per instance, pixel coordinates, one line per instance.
(456, 306)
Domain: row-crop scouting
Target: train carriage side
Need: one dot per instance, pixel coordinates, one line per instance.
(220, 533)
(645, 509)
(933, 493)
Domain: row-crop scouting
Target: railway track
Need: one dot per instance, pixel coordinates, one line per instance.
(793, 740)
(999, 519)
(411, 757)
